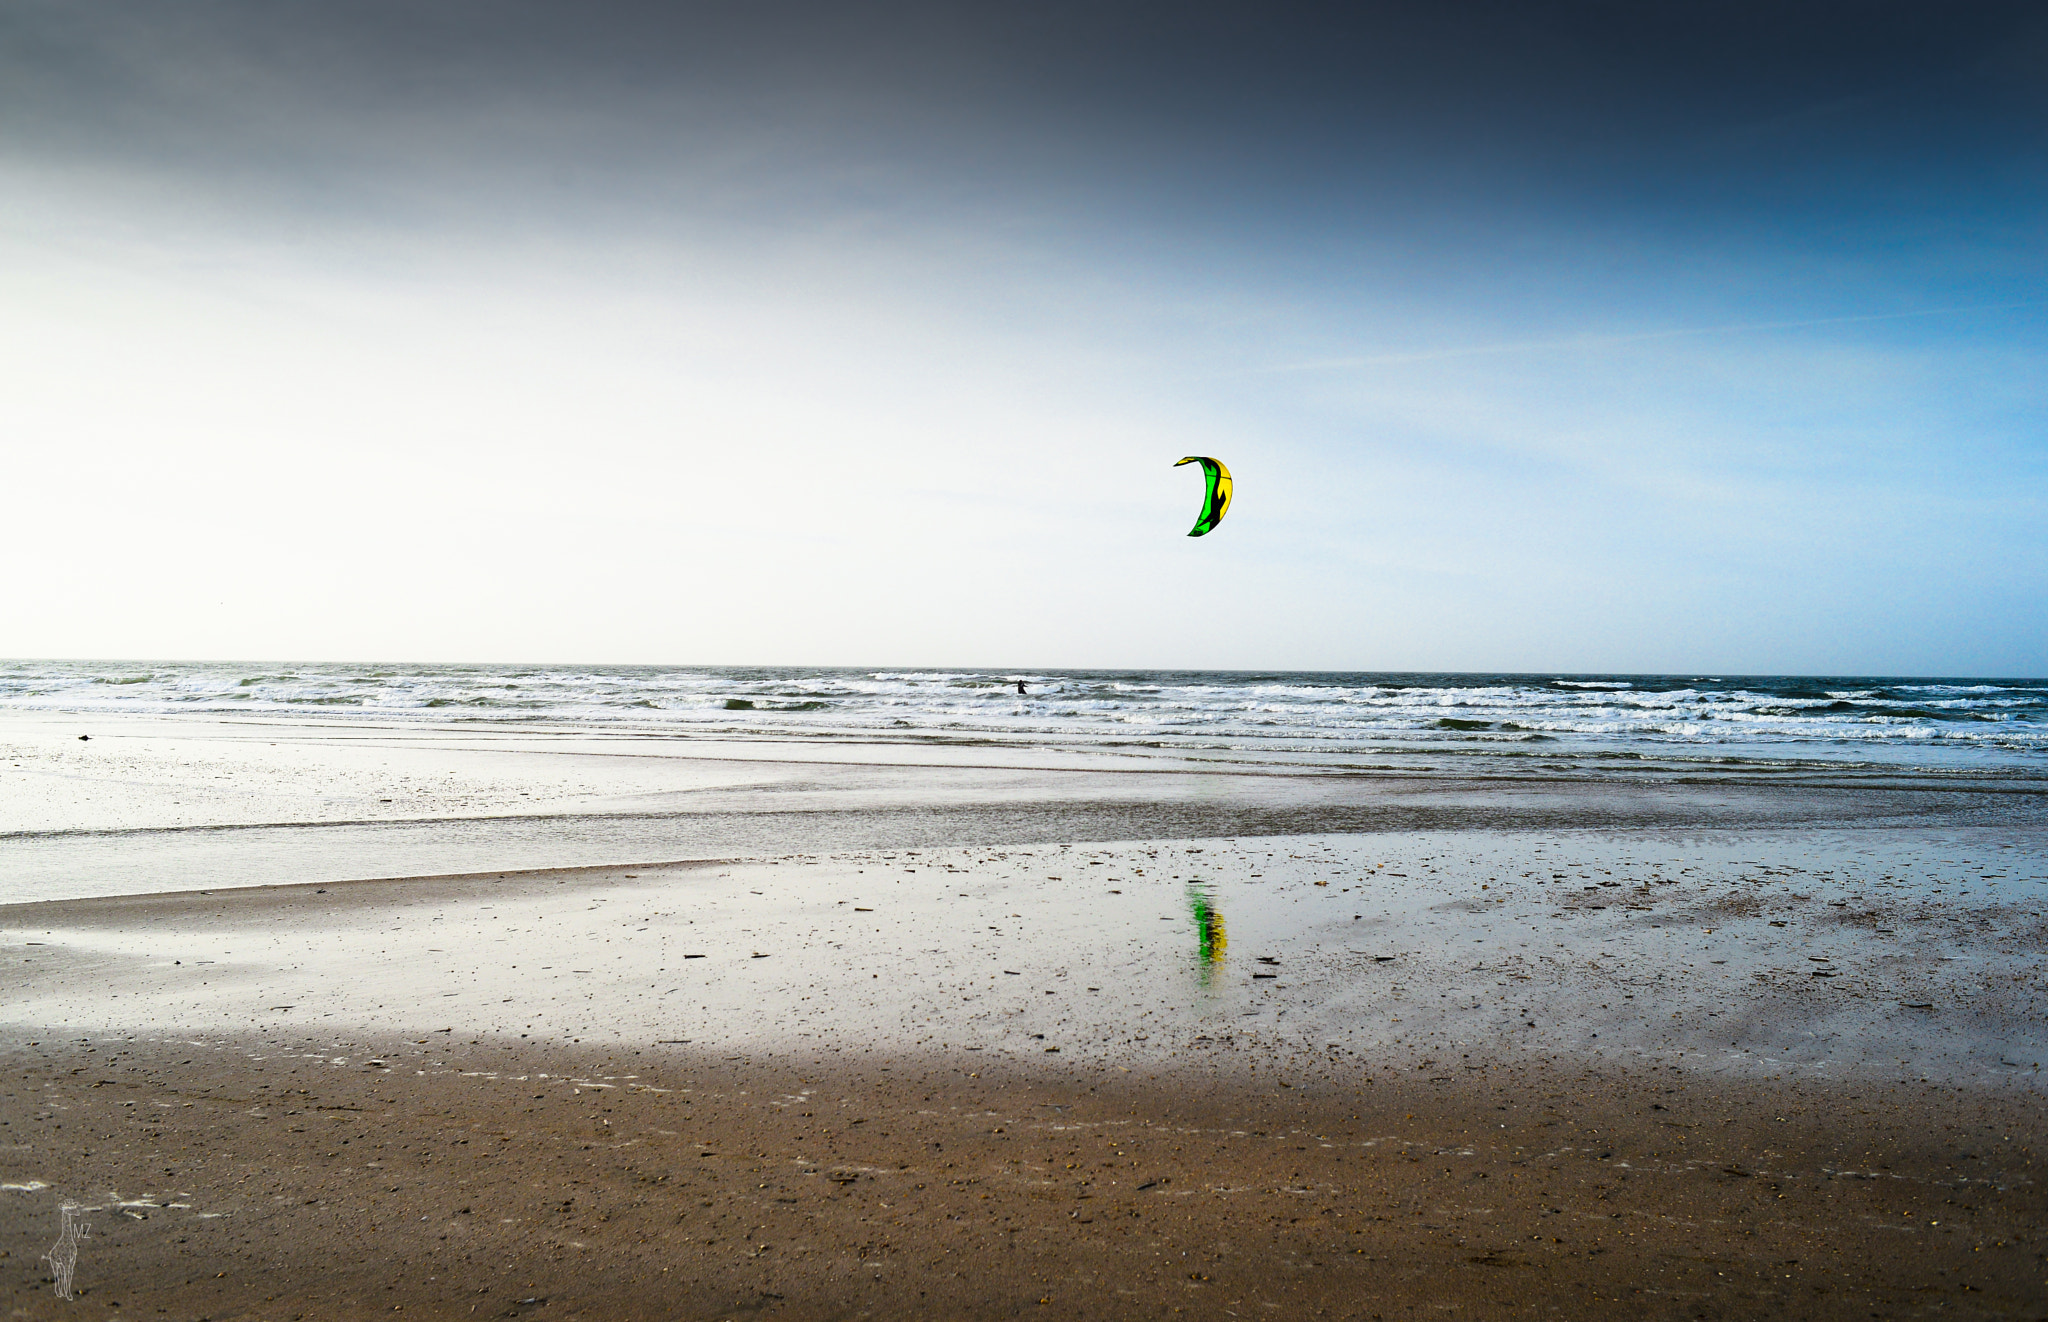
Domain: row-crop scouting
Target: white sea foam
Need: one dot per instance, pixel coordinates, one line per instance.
(1996, 726)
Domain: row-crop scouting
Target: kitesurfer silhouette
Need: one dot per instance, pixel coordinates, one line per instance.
(1020, 689)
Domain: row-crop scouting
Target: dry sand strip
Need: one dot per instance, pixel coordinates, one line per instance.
(301, 1180)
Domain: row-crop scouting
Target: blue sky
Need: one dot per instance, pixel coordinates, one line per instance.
(1575, 337)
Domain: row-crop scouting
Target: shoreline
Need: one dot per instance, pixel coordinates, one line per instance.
(157, 805)
(1428, 723)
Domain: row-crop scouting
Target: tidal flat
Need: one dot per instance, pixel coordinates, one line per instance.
(1358, 1074)
(1724, 1051)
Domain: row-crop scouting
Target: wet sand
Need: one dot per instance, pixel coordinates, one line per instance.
(454, 1180)
(1722, 1073)
(154, 804)
(1885, 954)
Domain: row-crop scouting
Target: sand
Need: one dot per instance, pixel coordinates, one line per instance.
(1566, 1049)
(153, 804)
(445, 1179)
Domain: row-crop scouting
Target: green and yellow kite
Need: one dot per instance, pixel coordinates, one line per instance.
(1216, 503)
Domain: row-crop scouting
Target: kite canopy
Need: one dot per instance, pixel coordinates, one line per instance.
(1216, 502)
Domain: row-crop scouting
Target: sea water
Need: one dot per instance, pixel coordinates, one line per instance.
(1534, 724)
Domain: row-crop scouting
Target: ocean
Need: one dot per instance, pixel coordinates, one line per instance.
(1497, 724)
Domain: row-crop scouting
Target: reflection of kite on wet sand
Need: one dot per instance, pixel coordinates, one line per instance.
(1209, 933)
(1216, 498)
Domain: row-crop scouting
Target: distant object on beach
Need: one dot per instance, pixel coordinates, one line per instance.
(1216, 499)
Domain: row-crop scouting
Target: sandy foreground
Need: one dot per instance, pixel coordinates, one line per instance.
(1356, 1074)
(1742, 1051)
(461, 1181)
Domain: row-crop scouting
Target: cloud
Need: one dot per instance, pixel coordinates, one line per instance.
(803, 333)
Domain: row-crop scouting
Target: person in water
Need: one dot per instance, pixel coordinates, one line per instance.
(1020, 688)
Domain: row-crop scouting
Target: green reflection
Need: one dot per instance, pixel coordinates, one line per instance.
(1209, 933)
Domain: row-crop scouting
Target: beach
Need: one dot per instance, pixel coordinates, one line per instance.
(788, 660)
(804, 661)
(731, 1027)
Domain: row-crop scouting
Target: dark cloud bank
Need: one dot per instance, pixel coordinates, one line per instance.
(1713, 108)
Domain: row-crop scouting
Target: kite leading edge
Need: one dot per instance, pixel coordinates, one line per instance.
(1216, 503)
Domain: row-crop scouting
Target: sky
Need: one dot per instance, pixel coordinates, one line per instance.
(1590, 337)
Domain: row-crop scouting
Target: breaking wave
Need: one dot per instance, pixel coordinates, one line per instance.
(1424, 721)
